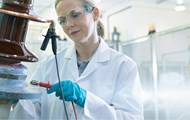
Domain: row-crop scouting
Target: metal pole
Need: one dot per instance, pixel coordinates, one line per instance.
(155, 75)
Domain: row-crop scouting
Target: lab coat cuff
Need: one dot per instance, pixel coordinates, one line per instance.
(92, 105)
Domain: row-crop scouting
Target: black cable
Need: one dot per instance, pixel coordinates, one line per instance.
(61, 87)
(51, 34)
(54, 49)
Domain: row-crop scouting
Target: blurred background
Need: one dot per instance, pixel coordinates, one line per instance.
(155, 33)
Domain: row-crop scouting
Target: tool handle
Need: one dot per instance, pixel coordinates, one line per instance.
(45, 84)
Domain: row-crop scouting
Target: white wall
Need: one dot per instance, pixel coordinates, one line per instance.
(134, 22)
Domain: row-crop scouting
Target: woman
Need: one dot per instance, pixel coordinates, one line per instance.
(103, 83)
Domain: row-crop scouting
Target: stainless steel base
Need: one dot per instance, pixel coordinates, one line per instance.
(13, 85)
(29, 92)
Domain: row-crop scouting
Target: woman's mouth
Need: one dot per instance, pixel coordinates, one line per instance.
(74, 32)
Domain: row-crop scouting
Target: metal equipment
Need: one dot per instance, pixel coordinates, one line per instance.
(14, 19)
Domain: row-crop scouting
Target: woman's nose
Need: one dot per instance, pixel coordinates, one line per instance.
(70, 23)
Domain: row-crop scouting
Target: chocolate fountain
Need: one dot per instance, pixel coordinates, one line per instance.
(14, 19)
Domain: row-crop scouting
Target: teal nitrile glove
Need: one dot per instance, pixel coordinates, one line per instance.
(71, 90)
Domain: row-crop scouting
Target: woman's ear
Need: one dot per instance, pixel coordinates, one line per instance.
(96, 13)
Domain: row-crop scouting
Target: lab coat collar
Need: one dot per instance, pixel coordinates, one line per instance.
(102, 55)
(102, 52)
(71, 56)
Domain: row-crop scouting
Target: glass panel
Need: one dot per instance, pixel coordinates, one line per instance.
(166, 90)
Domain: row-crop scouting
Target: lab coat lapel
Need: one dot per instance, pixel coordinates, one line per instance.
(72, 64)
(101, 55)
(92, 66)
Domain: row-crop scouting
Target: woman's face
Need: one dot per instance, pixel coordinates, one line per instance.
(76, 23)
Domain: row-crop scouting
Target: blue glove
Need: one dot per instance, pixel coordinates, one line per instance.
(71, 90)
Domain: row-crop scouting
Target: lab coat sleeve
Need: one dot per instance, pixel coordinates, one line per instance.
(25, 109)
(126, 103)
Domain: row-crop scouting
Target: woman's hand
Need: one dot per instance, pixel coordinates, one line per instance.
(71, 91)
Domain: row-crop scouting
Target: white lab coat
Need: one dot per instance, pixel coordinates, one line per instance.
(111, 80)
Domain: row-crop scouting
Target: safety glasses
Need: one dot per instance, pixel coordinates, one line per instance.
(73, 16)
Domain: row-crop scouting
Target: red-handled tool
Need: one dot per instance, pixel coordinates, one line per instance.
(48, 85)
(41, 84)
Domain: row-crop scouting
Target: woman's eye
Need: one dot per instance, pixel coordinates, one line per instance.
(75, 15)
(62, 21)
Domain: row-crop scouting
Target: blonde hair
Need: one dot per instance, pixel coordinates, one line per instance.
(90, 3)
